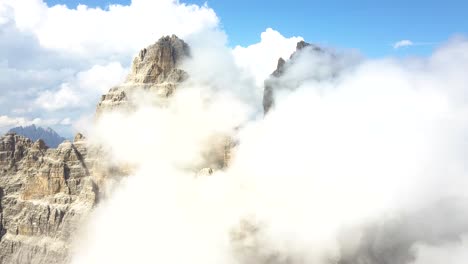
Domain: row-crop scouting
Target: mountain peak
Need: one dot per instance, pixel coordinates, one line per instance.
(158, 63)
(155, 69)
(302, 44)
(281, 68)
(33, 132)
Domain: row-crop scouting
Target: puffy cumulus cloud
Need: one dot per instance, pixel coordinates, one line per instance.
(213, 63)
(86, 84)
(358, 162)
(100, 78)
(260, 59)
(369, 163)
(64, 97)
(7, 122)
(117, 29)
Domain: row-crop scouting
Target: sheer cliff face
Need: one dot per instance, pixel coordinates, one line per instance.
(158, 63)
(154, 69)
(44, 194)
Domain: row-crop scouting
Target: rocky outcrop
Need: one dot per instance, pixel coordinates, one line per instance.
(155, 75)
(275, 81)
(158, 63)
(155, 69)
(45, 193)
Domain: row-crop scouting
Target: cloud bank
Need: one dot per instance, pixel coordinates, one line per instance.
(360, 161)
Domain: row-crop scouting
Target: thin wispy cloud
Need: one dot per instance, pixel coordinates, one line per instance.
(403, 43)
(408, 43)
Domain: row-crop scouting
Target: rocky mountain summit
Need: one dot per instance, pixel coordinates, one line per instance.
(275, 80)
(155, 70)
(48, 135)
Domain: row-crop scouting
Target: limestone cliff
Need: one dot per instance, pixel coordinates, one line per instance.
(154, 69)
(44, 193)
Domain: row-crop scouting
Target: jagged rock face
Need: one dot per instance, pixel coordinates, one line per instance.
(45, 193)
(154, 69)
(275, 82)
(158, 62)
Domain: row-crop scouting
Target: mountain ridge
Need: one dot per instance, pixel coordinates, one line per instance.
(48, 135)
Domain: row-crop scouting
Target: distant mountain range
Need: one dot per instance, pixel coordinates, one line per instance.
(50, 137)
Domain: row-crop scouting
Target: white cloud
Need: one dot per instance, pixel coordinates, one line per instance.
(100, 78)
(403, 43)
(364, 146)
(261, 59)
(83, 90)
(120, 29)
(66, 121)
(65, 97)
(453, 253)
(7, 122)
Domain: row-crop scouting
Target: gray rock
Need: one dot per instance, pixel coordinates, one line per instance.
(154, 69)
(158, 62)
(45, 193)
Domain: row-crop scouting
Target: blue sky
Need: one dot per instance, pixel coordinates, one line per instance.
(370, 26)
